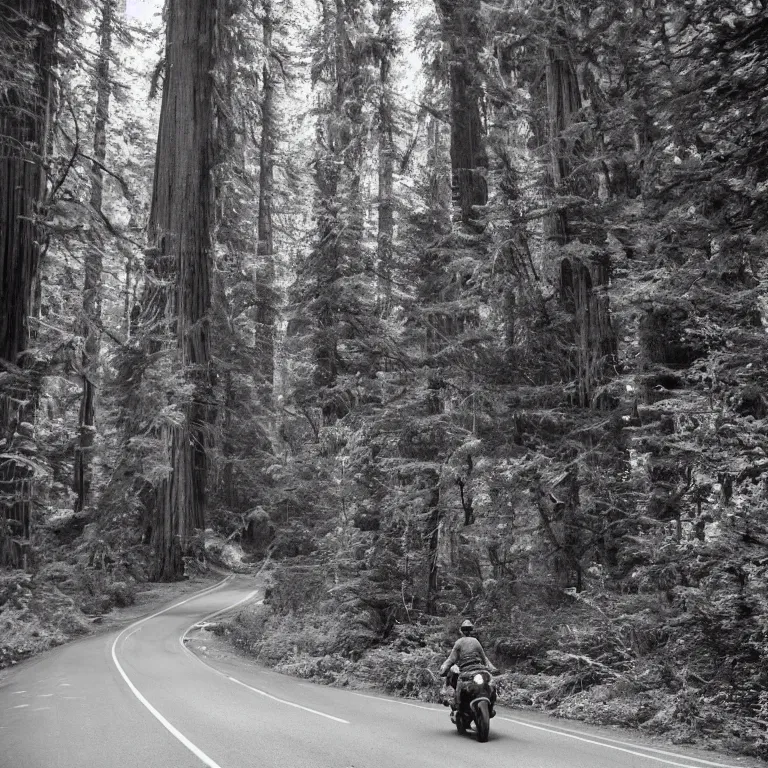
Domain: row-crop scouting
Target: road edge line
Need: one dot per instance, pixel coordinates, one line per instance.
(568, 731)
(183, 636)
(635, 751)
(175, 732)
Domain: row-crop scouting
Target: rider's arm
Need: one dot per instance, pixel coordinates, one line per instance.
(486, 660)
(451, 660)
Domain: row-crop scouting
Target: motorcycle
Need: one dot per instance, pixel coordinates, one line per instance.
(477, 696)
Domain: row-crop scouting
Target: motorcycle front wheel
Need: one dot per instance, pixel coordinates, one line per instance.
(482, 721)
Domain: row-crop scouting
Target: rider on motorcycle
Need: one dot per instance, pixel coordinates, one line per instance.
(467, 654)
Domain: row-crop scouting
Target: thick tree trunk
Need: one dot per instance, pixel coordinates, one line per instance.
(386, 224)
(461, 33)
(265, 250)
(583, 284)
(180, 226)
(563, 102)
(324, 261)
(27, 50)
(431, 287)
(91, 318)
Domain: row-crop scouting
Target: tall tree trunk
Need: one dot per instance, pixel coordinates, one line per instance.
(386, 224)
(583, 283)
(440, 226)
(461, 33)
(324, 262)
(27, 49)
(433, 537)
(180, 226)
(265, 249)
(91, 317)
(563, 103)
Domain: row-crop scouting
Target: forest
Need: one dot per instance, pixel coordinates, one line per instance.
(430, 310)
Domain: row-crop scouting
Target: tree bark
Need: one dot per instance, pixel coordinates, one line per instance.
(265, 249)
(28, 31)
(91, 312)
(563, 102)
(439, 227)
(323, 265)
(583, 282)
(461, 34)
(386, 223)
(179, 257)
(433, 538)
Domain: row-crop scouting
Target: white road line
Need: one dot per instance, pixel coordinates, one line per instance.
(565, 731)
(131, 634)
(211, 615)
(396, 701)
(177, 734)
(239, 682)
(287, 703)
(570, 735)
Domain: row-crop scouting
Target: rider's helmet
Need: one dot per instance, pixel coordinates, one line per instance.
(467, 626)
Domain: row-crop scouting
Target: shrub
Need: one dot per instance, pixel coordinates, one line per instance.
(121, 594)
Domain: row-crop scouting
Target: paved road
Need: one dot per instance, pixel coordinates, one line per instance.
(140, 698)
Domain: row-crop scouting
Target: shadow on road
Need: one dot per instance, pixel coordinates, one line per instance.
(450, 733)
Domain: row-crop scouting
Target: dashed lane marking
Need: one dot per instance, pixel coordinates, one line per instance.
(396, 701)
(182, 640)
(288, 703)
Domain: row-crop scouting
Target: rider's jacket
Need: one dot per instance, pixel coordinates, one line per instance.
(468, 654)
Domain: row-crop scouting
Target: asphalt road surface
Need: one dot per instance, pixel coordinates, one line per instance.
(141, 698)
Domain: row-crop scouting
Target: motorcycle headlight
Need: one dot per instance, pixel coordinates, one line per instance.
(478, 678)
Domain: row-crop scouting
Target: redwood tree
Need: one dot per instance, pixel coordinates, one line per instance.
(583, 271)
(265, 249)
(27, 48)
(93, 263)
(459, 22)
(178, 293)
(387, 43)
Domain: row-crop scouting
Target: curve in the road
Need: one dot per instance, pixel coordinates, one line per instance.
(175, 732)
(208, 617)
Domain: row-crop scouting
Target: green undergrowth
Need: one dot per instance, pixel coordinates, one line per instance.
(59, 603)
(62, 600)
(648, 662)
